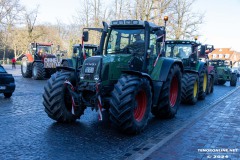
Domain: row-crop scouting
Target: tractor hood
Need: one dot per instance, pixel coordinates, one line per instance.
(107, 67)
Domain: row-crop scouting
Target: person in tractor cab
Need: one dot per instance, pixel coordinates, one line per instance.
(181, 53)
(138, 44)
(41, 51)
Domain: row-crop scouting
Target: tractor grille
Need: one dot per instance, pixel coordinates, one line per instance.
(91, 67)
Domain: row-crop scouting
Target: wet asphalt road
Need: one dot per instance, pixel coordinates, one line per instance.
(26, 132)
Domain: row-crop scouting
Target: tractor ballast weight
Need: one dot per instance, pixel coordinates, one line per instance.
(39, 62)
(130, 77)
(195, 76)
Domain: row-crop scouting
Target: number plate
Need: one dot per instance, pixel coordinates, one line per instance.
(89, 70)
(51, 62)
(2, 87)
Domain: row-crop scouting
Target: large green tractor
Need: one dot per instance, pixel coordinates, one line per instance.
(223, 72)
(195, 76)
(130, 78)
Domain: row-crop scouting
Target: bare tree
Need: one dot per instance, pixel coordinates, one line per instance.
(184, 23)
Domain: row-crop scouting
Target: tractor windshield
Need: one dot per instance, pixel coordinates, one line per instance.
(44, 49)
(125, 41)
(178, 50)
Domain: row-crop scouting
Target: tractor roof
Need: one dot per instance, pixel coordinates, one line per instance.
(132, 23)
(182, 42)
(85, 45)
(44, 44)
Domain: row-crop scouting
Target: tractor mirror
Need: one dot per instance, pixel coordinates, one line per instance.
(85, 36)
(203, 49)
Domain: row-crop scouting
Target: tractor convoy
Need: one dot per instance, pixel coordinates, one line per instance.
(133, 72)
(39, 62)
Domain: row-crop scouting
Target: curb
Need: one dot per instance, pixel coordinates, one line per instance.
(139, 156)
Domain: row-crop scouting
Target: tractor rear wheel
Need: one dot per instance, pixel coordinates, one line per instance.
(38, 71)
(203, 83)
(57, 99)
(221, 82)
(233, 81)
(130, 104)
(190, 85)
(26, 68)
(170, 96)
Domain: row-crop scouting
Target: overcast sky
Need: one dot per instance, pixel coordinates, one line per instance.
(221, 23)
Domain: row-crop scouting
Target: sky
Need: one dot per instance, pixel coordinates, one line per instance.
(221, 26)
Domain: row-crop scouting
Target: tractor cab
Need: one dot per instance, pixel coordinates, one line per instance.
(41, 50)
(185, 50)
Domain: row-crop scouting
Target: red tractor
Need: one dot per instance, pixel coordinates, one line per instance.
(211, 72)
(39, 62)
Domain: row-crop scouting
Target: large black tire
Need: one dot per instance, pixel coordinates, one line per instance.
(26, 68)
(221, 82)
(130, 104)
(210, 84)
(7, 95)
(58, 101)
(233, 81)
(49, 72)
(38, 71)
(203, 83)
(170, 95)
(216, 79)
(190, 87)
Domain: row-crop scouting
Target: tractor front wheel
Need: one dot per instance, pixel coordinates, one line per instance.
(38, 71)
(170, 96)
(203, 83)
(26, 68)
(57, 100)
(130, 104)
(210, 84)
(233, 81)
(190, 87)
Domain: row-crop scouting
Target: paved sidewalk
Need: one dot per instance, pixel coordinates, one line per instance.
(215, 135)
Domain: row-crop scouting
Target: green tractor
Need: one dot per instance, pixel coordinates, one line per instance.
(195, 76)
(89, 50)
(130, 78)
(223, 72)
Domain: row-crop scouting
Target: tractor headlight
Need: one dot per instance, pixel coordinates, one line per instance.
(82, 76)
(96, 77)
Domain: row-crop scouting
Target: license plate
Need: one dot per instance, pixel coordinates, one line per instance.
(89, 70)
(2, 87)
(51, 62)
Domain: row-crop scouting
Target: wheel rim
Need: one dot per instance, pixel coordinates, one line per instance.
(204, 82)
(24, 66)
(173, 91)
(195, 88)
(141, 100)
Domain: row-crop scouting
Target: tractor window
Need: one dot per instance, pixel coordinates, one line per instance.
(44, 49)
(178, 50)
(125, 41)
(152, 44)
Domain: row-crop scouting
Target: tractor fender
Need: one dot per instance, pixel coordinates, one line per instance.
(166, 66)
(201, 65)
(29, 57)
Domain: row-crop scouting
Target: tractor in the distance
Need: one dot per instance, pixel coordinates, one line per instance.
(130, 77)
(89, 50)
(223, 72)
(39, 62)
(211, 71)
(195, 76)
